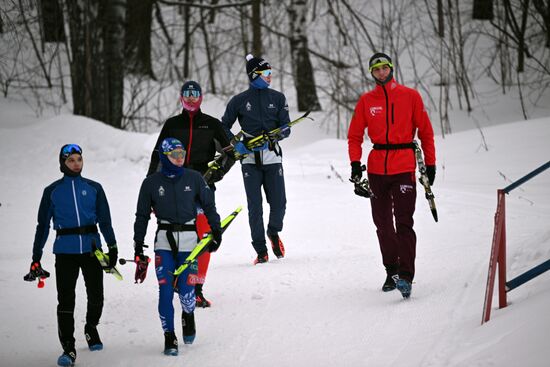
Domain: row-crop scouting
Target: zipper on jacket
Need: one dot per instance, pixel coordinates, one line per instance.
(392, 114)
(77, 214)
(188, 156)
(387, 129)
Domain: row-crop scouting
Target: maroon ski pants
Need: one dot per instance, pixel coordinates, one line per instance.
(395, 197)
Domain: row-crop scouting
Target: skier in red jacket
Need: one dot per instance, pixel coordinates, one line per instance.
(392, 114)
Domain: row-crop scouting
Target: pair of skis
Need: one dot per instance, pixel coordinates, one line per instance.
(254, 143)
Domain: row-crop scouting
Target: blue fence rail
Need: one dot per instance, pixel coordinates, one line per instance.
(545, 266)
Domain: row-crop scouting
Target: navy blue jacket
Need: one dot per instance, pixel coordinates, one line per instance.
(258, 111)
(174, 200)
(73, 202)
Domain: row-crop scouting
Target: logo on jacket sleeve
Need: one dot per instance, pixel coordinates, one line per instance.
(248, 106)
(375, 110)
(271, 105)
(187, 188)
(161, 191)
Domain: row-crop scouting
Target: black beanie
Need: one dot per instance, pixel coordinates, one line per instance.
(191, 85)
(379, 59)
(255, 64)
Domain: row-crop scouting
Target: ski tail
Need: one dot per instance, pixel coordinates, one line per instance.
(103, 259)
(424, 179)
(217, 162)
(274, 134)
(202, 246)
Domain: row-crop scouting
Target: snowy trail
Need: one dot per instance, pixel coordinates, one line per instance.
(321, 305)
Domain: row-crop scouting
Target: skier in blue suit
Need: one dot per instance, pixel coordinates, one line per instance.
(174, 194)
(76, 205)
(259, 110)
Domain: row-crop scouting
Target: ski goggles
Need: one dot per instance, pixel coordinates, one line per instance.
(176, 154)
(69, 149)
(380, 61)
(264, 73)
(191, 93)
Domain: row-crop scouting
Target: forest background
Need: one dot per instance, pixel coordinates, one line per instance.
(122, 62)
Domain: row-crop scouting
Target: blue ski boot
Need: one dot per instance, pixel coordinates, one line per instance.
(92, 337)
(67, 358)
(170, 344)
(404, 286)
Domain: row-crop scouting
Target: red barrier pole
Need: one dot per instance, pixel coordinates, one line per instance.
(502, 255)
(493, 261)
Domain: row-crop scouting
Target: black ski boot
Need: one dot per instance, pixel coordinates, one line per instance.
(92, 337)
(188, 325)
(199, 297)
(262, 258)
(391, 278)
(170, 344)
(389, 284)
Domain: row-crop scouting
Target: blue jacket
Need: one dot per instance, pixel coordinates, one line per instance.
(174, 200)
(73, 202)
(258, 112)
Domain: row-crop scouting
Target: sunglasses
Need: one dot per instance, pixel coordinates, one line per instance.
(176, 154)
(191, 93)
(70, 149)
(265, 73)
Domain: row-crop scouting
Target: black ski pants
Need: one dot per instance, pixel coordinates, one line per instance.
(395, 197)
(67, 268)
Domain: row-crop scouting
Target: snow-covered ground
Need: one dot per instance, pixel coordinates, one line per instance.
(322, 304)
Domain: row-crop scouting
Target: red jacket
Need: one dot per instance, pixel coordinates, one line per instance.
(391, 114)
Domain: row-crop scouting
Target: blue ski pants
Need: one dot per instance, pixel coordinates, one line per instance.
(165, 265)
(271, 178)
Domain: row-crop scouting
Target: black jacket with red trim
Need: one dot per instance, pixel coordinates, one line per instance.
(201, 135)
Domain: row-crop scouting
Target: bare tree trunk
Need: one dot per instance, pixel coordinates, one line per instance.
(544, 11)
(440, 20)
(207, 47)
(483, 10)
(187, 38)
(51, 19)
(138, 37)
(257, 49)
(302, 69)
(113, 71)
(97, 44)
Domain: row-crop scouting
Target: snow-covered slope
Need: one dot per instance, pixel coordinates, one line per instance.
(322, 304)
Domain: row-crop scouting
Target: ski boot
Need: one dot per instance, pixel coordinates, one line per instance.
(389, 284)
(199, 297)
(277, 245)
(188, 325)
(92, 337)
(170, 344)
(262, 258)
(68, 357)
(404, 286)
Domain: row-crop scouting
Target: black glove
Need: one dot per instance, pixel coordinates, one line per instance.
(216, 240)
(138, 251)
(36, 271)
(430, 172)
(217, 175)
(113, 256)
(356, 171)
